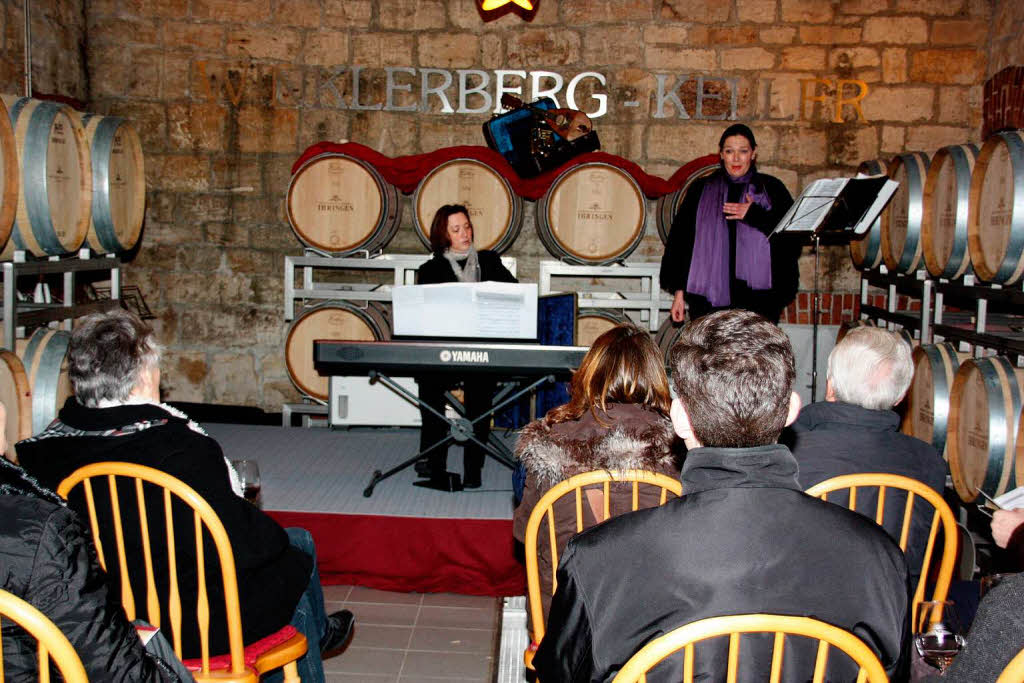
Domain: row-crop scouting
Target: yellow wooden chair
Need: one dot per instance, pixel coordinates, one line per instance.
(52, 643)
(1014, 671)
(914, 489)
(544, 510)
(684, 638)
(242, 663)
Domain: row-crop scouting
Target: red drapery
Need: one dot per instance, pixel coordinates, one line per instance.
(406, 172)
(413, 554)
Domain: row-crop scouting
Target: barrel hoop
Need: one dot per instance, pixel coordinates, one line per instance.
(44, 389)
(962, 166)
(1010, 269)
(960, 257)
(991, 371)
(37, 202)
(940, 391)
(915, 210)
(102, 147)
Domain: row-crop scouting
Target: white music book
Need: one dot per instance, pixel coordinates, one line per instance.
(470, 310)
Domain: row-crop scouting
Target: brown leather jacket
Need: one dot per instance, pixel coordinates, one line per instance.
(631, 437)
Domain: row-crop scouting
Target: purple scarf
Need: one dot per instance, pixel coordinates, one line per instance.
(709, 266)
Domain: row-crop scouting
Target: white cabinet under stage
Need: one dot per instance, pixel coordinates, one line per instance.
(355, 402)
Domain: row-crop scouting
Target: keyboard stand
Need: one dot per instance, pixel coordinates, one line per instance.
(460, 428)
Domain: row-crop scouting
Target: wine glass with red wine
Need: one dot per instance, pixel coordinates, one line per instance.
(248, 472)
(938, 635)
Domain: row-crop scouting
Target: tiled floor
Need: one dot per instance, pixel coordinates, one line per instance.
(415, 638)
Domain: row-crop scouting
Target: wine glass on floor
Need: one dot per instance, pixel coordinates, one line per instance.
(938, 635)
(248, 472)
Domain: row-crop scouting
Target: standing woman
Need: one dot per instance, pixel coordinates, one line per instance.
(455, 259)
(718, 253)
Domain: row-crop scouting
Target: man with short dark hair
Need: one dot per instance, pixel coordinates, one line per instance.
(743, 538)
(855, 429)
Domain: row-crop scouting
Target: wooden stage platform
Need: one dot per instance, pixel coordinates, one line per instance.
(403, 537)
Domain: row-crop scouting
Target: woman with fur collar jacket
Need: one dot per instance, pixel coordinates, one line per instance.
(616, 418)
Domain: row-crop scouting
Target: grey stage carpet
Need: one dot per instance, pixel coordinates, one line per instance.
(322, 470)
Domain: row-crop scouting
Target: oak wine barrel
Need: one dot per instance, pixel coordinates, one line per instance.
(848, 325)
(947, 190)
(667, 335)
(901, 219)
(927, 413)
(45, 357)
(339, 204)
(331, 320)
(591, 323)
(16, 395)
(118, 183)
(593, 214)
(55, 193)
(866, 249)
(985, 405)
(9, 180)
(494, 209)
(668, 205)
(995, 227)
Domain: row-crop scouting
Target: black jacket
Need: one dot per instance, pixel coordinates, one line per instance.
(833, 438)
(272, 574)
(996, 635)
(47, 559)
(437, 270)
(785, 249)
(743, 538)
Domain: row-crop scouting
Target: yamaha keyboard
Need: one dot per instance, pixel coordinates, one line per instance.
(399, 358)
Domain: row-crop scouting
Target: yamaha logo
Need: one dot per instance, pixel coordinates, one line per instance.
(460, 356)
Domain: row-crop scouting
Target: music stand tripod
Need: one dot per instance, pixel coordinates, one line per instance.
(460, 429)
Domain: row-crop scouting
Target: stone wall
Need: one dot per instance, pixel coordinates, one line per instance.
(1007, 40)
(58, 48)
(227, 94)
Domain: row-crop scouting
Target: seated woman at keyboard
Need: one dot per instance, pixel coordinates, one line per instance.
(617, 418)
(455, 259)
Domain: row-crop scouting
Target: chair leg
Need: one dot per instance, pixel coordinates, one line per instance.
(291, 673)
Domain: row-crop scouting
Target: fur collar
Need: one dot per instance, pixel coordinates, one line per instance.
(635, 438)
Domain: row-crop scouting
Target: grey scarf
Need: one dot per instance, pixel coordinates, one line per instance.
(468, 273)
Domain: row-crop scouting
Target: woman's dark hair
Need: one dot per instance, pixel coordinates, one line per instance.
(737, 129)
(439, 240)
(622, 366)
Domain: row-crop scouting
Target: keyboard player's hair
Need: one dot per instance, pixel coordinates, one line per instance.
(439, 239)
(623, 366)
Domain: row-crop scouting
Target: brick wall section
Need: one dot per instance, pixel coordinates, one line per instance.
(227, 93)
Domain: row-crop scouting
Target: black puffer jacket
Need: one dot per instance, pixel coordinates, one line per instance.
(46, 558)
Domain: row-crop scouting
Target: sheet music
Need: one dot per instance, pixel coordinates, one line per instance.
(887, 191)
(484, 310)
(1011, 499)
(813, 205)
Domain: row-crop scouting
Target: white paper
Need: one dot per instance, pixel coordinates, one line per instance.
(467, 310)
(887, 191)
(813, 205)
(1011, 499)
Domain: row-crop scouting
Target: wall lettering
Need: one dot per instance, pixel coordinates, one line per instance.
(476, 91)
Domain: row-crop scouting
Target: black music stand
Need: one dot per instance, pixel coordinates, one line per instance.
(460, 431)
(836, 216)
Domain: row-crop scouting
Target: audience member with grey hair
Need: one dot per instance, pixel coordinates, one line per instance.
(871, 367)
(116, 415)
(112, 357)
(855, 429)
